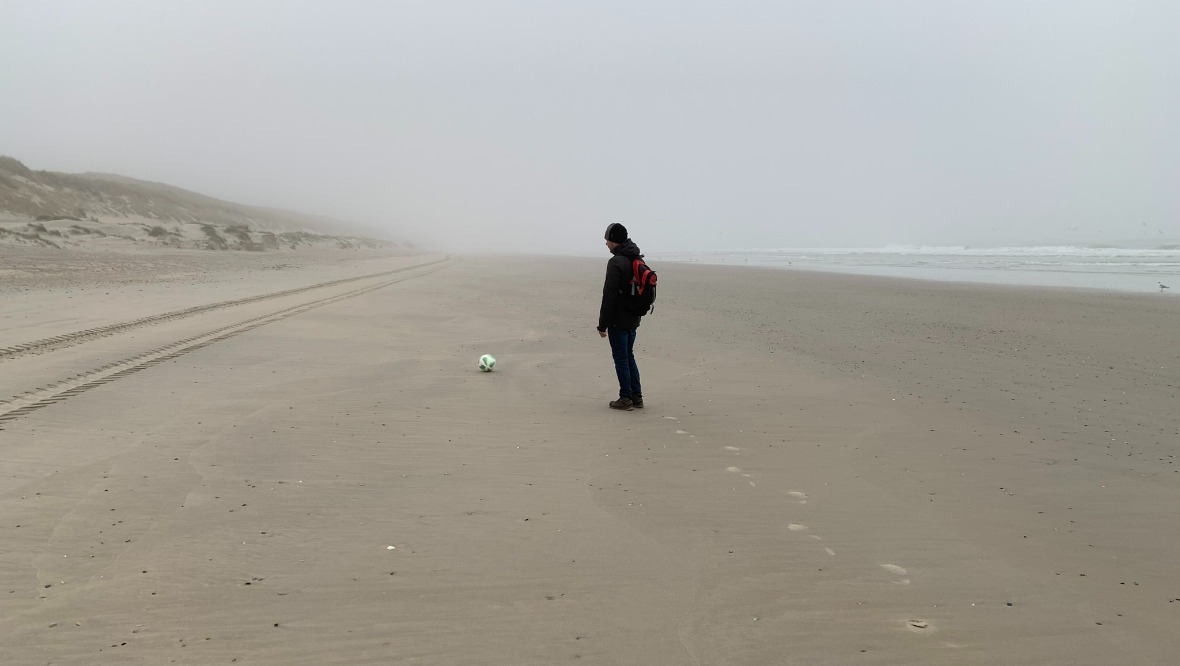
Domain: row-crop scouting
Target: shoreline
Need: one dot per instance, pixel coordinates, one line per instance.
(1012, 268)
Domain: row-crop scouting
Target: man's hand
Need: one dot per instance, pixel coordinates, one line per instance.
(602, 334)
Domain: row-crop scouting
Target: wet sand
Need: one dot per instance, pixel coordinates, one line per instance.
(830, 470)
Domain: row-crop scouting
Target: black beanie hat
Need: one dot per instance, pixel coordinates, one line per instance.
(616, 233)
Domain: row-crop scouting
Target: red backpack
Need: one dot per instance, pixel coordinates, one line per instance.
(641, 298)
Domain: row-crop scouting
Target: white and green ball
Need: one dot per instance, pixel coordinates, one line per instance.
(487, 362)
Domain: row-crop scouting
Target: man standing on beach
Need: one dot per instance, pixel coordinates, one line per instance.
(616, 322)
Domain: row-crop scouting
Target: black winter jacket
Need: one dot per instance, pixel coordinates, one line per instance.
(618, 278)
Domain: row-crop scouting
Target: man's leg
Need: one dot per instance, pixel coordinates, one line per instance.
(620, 346)
(632, 368)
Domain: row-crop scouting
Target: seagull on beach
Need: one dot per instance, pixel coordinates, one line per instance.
(1163, 287)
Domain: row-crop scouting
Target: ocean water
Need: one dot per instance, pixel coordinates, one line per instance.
(1107, 268)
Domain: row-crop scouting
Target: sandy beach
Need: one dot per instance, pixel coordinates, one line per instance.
(273, 460)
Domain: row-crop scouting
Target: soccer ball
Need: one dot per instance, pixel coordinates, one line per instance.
(487, 362)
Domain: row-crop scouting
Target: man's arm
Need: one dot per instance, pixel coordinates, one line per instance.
(610, 294)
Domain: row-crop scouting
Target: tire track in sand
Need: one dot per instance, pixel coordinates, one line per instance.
(78, 337)
(51, 394)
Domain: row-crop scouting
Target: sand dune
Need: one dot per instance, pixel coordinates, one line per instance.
(105, 198)
(830, 469)
(108, 212)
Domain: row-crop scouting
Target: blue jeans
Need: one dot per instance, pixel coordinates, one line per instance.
(622, 348)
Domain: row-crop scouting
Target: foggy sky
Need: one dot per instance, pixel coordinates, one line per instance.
(529, 126)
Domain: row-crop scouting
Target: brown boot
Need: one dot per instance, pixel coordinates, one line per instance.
(624, 404)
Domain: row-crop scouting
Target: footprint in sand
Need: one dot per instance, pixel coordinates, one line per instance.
(799, 497)
(897, 571)
(918, 626)
(735, 470)
(681, 432)
(671, 418)
(829, 551)
(732, 448)
(796, 527)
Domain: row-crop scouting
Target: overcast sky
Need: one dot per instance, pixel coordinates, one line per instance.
(531, 125)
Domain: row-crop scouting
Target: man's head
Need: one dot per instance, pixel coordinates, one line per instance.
(616, 235)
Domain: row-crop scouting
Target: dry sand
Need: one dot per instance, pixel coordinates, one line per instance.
(830, 470)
